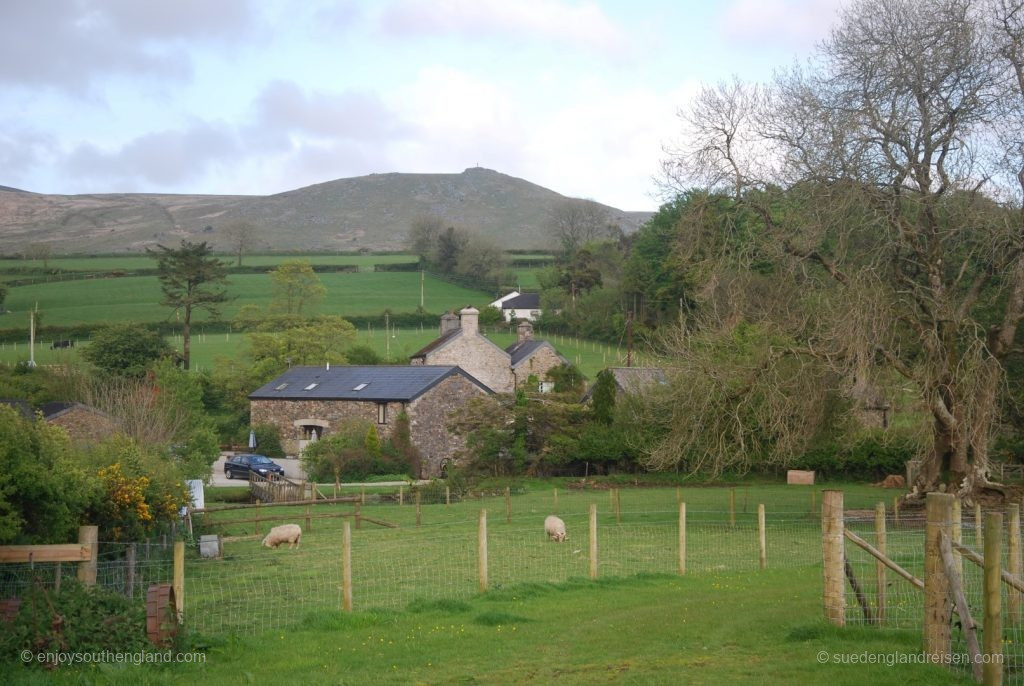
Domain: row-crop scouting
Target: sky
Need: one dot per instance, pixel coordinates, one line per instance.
(264, 96)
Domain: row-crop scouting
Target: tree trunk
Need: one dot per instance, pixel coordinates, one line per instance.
(947, 469)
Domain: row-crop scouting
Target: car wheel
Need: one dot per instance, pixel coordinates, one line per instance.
(229, 474)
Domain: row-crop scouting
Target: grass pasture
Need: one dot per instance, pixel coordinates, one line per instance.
(589, 356)
(128, 262)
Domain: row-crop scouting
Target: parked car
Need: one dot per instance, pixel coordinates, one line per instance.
(240, 466)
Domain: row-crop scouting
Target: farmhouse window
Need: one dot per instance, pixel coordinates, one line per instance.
(382, 413)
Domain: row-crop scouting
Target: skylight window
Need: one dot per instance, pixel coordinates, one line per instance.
(310, 386)
(360, 386)
(281, 387)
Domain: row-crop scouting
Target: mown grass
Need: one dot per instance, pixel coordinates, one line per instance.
(137, 298)
(590, 356)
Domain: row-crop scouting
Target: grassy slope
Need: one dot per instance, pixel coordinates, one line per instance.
(138, 298)
(95, 264)
(206, 349)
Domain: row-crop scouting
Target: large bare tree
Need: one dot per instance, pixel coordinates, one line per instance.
(572, 222)
(885, 180)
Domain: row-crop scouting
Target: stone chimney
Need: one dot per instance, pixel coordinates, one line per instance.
(470, 320)
(524, 331)
(449, 322)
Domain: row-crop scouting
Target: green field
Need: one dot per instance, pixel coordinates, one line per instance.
(137, 298)
(420, 618)
(127, 262)
(589, 356)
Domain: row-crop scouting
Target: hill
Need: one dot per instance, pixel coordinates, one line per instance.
(366, 212)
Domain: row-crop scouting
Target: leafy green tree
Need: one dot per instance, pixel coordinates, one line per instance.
(125, 349)
(295, 286)
(567, 377)
(450, 244)
(191, 279)
(372, 442)
(337, 451)
(603, 398)
(324, 339)
(580, 275)
(363, 355)
(491, 316)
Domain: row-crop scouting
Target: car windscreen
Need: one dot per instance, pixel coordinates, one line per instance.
(259, 459)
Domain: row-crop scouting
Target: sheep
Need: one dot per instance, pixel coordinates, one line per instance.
(286, 533)
(554, 527)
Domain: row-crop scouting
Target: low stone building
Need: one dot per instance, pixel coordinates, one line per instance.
(306, 403)
(633, 380)
(81, 422)
(532, 357)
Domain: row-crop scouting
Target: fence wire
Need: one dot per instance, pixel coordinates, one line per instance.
(904, 603)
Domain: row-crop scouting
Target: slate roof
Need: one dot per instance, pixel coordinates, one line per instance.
(382, 383)
(636, 379)
(523, 351)
(523, 301)
(22, 407)
(51, 409)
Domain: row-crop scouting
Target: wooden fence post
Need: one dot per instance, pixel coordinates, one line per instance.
(593, 540)
(937, 608)
(130, 561)
(346, 566)
(880, 587)
(762, 542)
(309, 522)
(958, 533)
(896, 511)
(833, 557)
(419, 511)
(359, 515)
(732, 507)
(481, 549)
(179, 580)
(992, 636)
(258, 528)
(814, 501)
(88, 535)
(447, 496)
(1013, 562)
(508, 504)
(618, 506)
(682, 538)
(401, 495)
(979, 538)
(556, 501)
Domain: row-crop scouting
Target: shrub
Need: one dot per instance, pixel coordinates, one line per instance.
(93, 620)
(867, 458)
(268, 440)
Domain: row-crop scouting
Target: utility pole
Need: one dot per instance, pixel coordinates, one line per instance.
(629, 340)
(387, 337)
(421, 288)
(32, 337)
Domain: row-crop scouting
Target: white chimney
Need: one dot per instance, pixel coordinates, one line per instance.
(469, 318)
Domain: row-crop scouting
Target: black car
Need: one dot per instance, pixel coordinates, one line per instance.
(240, 466)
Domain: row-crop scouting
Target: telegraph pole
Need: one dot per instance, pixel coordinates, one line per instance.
(421, 289)
(629, 340)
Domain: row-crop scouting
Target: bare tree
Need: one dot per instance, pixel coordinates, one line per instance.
(572, 222)
(424, 232)
(240, 236)
(38, 251)
(875, 182)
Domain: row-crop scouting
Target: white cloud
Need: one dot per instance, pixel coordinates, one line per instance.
(579, 24)
(792, 24)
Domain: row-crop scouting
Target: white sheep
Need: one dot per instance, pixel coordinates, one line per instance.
(286, 533)
(554, 527)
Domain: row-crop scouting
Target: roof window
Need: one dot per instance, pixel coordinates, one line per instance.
(361, 386)
(281, 387)
(310, 386)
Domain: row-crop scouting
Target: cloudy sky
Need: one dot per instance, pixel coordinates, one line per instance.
(262, 96)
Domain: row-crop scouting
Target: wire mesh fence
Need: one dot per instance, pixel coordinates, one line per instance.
(878, 596)
(252, 589)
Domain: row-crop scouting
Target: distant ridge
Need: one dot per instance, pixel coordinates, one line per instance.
(364, 212)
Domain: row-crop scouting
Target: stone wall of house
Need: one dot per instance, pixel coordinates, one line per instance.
(483, 360)
(284, 413)
(537, 365)
(84, 424)
(428, 419)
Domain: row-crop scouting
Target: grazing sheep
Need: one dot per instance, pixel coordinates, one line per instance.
(554, 527)
(286, 533)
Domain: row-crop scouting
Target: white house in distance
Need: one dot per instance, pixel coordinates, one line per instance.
(518, 305)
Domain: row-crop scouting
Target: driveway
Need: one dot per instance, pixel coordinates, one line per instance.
(292, 470)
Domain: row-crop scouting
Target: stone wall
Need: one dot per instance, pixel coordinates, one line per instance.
(483, 360)
(428, 416)
(538, 364)
(284, 413)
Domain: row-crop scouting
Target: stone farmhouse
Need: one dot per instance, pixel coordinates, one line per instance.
(306, 403)
(81, 422)
(502, 371)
